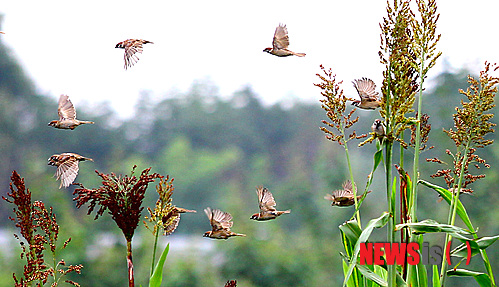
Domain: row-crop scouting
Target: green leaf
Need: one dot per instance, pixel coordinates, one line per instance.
(447, 196)
(431, 226)
(351, 230)
(157, 275)
(481, 278)
(436, 276)
(368, 273)
(374, 223)
(475, 244)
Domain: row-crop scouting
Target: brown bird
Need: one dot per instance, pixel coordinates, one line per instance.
(231, 283)
(67, 115)
(378, 129)
(280, 43)
(366, 89)
(267, 205)
(221, 222)
(132, 46)
(343, 197)
(67, 166)
(175, 214)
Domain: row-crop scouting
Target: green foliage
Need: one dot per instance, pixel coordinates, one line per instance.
(157, 275)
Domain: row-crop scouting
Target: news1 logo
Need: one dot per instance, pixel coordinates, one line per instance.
(399, 253)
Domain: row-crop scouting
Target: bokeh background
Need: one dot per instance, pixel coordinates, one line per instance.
(207, 107)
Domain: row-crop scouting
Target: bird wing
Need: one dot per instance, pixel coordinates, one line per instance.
(172, 226)
(281, 39)
(67, 171)
(131, 48)
(266, 201)
(66, 109)
(347, 186)
(366, 89)
(218, 219)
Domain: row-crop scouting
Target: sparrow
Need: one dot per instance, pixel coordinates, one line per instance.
(175, 213)
(67, 115)
(280, 43)
(220, 224)
(366, 89)
(343, 197)
(267, 204)
(231, 283)
(378, 129)
(67, 166)
(132, 46)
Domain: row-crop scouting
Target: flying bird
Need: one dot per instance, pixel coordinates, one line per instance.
(267, 205)
(366, 89)
(378, 129)
(67, 115)
(343, 197)
(67, 166)
(132, 46)
(280, 43)
(175, 214)
(221, 222)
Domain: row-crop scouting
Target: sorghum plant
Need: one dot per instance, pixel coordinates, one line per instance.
(39, 228)
(471, 126)
(122, 196)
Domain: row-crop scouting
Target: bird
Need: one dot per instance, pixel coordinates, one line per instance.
(366, 89)
(280, 43)
(67, 115)
(267, 204)
(67, 166)
(175, 214)
(132, 46)
(231, 283)
(343, 197)
(221, 222)
(378, 128)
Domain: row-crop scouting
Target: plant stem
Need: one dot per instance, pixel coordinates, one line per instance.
(453, 210)
(129, 262)
(354, 187)
(391, 208)
(154, 249)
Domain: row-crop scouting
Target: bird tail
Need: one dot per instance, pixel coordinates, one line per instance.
(86, 122)
(285, 212)
(183, 210)
(299, 54)
(238, 234)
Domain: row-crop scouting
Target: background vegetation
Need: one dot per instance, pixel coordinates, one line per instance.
(218, 149)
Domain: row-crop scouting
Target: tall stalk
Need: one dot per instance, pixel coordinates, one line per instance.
(129, 262)
(350, 171)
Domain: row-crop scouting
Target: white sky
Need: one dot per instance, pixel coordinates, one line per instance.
(68, 46)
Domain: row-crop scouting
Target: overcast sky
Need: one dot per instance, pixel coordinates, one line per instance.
(68, 46)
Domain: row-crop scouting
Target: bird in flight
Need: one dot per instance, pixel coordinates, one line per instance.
(343, 197)
(67, 166)
(67, 115)
(132, 47)
(175, 214)
(366, 89)
(267, 205)
(221, 222)
(280, 43)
